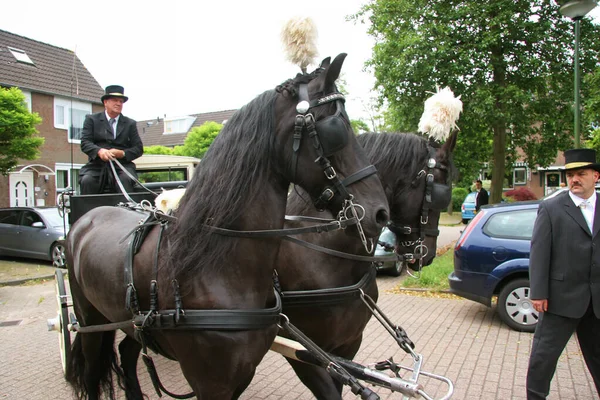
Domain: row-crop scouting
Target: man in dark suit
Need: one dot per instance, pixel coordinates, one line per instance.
(482, 197)
(564, 269)
(109, 135)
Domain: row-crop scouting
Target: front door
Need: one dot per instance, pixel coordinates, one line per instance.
(21, 189)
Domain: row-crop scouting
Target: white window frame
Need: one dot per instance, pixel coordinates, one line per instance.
(68, 168)
(176, 125)
(27, 95)
(62, 114)
(20, 55)
(524, 181)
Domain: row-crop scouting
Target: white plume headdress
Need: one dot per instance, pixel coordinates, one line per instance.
(442, 110)
(299, 37)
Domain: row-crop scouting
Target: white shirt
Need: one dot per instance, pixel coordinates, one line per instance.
(116, 123)
(588, 210)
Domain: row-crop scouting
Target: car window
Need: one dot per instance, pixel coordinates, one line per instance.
(470, 197)
(516, 224)
(29, 217)
(10, 217)
(52, 216)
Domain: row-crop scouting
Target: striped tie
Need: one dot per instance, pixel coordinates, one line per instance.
(111, 122)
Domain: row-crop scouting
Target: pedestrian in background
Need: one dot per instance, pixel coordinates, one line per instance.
(482, 197)
(564, 269)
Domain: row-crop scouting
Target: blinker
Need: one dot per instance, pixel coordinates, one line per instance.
(431, 163)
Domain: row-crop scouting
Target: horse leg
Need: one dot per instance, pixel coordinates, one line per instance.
(93, 358)
(240, 389)
(129, 349)
(318, 380)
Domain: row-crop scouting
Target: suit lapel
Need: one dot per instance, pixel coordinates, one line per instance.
(576, 214)
(596, 225)
(120, 126)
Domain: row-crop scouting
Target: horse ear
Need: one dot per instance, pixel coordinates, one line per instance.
(448, 147)
(333, 72)
(325, 63)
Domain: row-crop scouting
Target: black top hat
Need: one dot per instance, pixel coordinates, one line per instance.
(114, 91)
(581, 158)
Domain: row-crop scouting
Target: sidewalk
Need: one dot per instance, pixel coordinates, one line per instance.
(15, 271)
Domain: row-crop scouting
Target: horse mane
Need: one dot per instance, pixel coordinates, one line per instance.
(399, 156)
(229, 177)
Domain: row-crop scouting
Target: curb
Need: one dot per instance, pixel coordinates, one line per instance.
(17, 282)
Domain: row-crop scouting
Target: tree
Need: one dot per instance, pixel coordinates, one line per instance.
(199, 140)
(157, 149)
(18, 136)
(510, 60)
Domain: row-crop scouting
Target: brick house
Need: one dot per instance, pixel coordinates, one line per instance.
(62, 91)
(171, 132)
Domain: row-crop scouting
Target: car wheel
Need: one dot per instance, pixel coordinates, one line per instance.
(397, 270)
(515, 308)
(58, 255)
(465, 221)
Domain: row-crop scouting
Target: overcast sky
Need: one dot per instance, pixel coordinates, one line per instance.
(181, 57)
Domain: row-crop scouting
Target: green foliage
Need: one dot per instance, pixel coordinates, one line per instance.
(163, 176)
(158, 150)
(458, 196)
(199, 140)
(510, 60)
(434, 276)
(18, 134)
(359, 126)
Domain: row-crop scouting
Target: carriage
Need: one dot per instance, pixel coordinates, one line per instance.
(227, 275)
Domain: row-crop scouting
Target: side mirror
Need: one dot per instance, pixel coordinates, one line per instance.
(38, 225)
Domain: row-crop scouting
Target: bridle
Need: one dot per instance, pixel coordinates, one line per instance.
(329, 136)
(436, 196)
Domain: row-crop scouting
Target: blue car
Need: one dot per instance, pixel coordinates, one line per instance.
(491, 258)
(467, 208)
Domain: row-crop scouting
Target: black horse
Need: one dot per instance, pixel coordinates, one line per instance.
(298, 133)
(336, 321)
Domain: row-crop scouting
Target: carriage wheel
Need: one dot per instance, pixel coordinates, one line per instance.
(64, 339)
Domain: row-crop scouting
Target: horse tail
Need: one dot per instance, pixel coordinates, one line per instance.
(94, 376)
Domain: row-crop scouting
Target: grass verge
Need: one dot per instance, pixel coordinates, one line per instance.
(434, 276)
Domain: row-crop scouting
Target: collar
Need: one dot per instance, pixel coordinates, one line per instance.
(578, 200)
(108, 117)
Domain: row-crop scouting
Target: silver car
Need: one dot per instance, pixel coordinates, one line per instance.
(33, 232)
(393, 268)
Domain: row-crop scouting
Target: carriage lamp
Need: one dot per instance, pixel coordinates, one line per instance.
(577, 9)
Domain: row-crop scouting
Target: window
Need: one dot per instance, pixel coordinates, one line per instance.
(178, 125)
(70, 115)
(27, 99)
(10, 217)
(511, 224)
(20, 55)
(519, 176)
(29, 217)
(67, 176)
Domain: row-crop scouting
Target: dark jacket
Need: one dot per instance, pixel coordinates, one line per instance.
(564, 265)
(481, 199)
(96, 134)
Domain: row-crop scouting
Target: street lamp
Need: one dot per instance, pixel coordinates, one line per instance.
(577, 9)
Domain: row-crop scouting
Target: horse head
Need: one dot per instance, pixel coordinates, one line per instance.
(415, 211)
(320, 151)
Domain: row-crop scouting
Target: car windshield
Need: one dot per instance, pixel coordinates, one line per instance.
(52, 216)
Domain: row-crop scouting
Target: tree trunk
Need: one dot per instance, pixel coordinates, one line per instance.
(499, 162)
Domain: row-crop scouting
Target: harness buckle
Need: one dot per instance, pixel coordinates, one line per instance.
(330, 172)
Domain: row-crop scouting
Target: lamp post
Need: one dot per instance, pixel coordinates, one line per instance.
(577, 9)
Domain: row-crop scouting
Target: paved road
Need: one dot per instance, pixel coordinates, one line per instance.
(462, 340)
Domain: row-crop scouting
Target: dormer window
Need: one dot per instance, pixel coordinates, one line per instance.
(20, 55)
(178, 125)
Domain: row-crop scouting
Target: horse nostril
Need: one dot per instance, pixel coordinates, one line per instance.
(382, 217)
